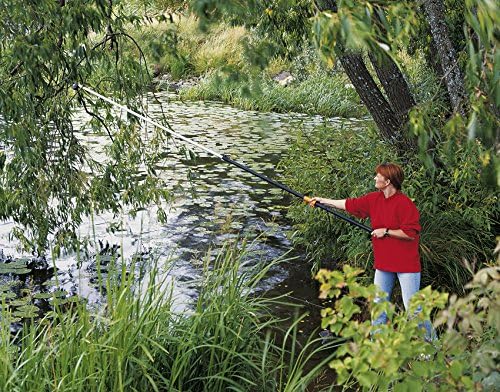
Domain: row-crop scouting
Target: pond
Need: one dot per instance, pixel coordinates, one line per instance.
(213, 202)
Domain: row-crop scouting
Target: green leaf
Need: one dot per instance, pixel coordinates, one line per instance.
(456, 369)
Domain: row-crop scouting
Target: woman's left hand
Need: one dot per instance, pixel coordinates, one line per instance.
(378, 233)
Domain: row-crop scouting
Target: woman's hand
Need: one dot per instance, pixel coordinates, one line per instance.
(311, 201)
(380, 233)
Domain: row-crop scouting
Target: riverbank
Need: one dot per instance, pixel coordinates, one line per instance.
(318, 94)
(213, 66)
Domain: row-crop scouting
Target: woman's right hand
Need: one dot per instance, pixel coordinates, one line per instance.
(312, 200)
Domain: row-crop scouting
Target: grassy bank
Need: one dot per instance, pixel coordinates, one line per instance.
(218, 57)
(137, 342)
(194, 52)
(317, 94)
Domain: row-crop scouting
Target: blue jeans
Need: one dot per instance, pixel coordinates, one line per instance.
(410, 284)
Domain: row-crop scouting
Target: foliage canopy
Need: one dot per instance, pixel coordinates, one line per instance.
(49, 179)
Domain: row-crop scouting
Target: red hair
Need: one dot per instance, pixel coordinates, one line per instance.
(392, 172)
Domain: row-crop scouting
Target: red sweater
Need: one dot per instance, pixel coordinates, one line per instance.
(396, 212)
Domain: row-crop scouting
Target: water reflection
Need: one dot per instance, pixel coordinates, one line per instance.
(220, 202)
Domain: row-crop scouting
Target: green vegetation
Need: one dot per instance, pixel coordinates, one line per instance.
(341, 164)
(318, 94)
(395, 356)
(136, 341)
(48, 180)
(216, 54)
(194, 52)
(433, 94)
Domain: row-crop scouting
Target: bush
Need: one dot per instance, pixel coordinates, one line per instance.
(395, 356)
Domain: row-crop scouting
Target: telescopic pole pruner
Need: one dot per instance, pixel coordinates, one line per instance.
(225, 158)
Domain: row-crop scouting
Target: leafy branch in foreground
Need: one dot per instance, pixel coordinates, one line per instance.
(396, 355)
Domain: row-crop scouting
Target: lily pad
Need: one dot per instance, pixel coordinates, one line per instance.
(18, 263)
(7, 295)
(13, 319)
(27, 309)
(22, 314)
(59, 293)
(43, 295)
(20, 302)
(8, 269)
(51, 282)
(8, 286)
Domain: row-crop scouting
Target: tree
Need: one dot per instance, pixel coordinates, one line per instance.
(382, 113)
(389, 114)
(49, 180)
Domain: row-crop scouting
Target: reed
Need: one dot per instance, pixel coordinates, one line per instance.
(135, 341)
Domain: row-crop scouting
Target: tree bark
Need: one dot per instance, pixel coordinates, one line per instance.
(379, 108)
(454, 80)
(395, 86)
(393, 82)
(389, 117)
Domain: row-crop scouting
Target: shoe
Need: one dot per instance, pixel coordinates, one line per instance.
(325, 336)
(424, 357)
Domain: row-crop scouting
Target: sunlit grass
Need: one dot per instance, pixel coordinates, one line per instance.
(222, 48)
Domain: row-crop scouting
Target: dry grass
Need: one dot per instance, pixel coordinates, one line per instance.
(223, 46)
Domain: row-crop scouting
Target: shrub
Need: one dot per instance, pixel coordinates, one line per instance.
(395, 356)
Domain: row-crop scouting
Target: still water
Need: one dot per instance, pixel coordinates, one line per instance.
(212, 202)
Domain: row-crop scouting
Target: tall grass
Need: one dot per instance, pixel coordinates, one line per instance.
(222, 47)
(320, 93)
(226, 341)
(192, 52)
(218, 55)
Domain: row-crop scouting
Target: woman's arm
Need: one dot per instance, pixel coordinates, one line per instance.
(398, 233)
(339, 204)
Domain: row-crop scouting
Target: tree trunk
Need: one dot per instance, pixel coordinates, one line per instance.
(434, 10)
(379, 108)
(389, 117)
(395, 86)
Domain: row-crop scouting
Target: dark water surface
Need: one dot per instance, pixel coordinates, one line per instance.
(218, 203)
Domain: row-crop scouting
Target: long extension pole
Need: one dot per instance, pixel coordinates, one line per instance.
(225, 158)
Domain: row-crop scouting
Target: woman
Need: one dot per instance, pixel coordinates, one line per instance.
(395, 236)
